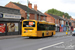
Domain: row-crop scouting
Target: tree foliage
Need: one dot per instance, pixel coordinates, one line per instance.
(58, 13)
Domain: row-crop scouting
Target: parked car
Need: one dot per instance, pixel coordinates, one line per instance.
(73, 33)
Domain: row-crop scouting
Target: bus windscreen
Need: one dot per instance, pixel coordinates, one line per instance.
(28, 24)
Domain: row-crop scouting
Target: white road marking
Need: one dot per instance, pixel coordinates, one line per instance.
(50, 46)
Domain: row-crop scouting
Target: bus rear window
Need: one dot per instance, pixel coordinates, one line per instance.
(28, 24)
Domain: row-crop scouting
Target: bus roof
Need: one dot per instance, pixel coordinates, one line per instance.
(28, 20)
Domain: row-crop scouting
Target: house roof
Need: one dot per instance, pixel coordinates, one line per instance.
(71, 20)
(57, 17)
(9, 10)
(62, 18)
(24, 7)
(39, 12)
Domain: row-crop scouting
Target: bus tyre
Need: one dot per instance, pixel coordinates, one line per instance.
(30, 37)
(52, 34)
(42, 35)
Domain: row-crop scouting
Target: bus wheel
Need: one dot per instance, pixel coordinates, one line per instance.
(30, 37)
(43, 35)
(52, 34)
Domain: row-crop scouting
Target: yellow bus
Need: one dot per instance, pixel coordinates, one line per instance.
(33, 28)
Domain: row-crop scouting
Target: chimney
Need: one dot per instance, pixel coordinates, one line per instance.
(30, 5)
(35, 7)
(63, 16)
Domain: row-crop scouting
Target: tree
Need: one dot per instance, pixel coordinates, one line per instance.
(58, 13)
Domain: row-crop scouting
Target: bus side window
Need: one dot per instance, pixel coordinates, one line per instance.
(38, 26)
(46, 27)
(49, 27)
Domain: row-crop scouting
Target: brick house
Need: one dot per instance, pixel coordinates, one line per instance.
(33, 14)
(72, 22)
(63, 23)
(41, 15)
(49, 18)
(60, 22)
(54, 19)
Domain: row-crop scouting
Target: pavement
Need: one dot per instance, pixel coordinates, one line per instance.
(62, 33)
(18, 36)
(10, 36)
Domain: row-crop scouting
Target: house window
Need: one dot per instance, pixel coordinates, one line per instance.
(69, 23)
(66, 23)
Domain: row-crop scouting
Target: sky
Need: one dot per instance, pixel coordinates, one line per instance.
(67, 6)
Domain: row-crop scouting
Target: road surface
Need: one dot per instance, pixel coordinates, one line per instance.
(56, 42)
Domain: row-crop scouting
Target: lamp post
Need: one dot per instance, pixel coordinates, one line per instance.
(27, 10)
